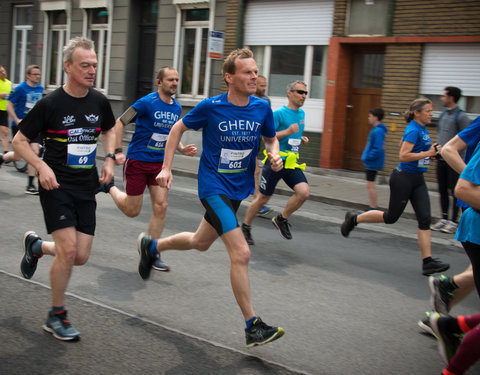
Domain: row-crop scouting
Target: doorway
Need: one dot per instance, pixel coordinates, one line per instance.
(146, 42)
(365, 94)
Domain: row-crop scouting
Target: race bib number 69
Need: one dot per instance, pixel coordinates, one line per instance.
(81, 155)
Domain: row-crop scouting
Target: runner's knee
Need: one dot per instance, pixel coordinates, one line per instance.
(81, 259)
(388, 218)
(160, 208)
(424, 222)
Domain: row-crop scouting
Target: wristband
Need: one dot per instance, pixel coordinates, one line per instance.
(118, 150)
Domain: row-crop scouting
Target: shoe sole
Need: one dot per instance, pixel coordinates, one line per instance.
(426, 329)
(24, 253)
(276, 336)
(441, 344)
(162, 269)
(61, 338)
(438, 270)
(281, 234)
(448, 231)
(265, 213)
(32, 192)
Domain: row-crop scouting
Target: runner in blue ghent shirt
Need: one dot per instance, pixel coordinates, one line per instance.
(232, 124)
(154, 120)
(230, 144)
(154, 116)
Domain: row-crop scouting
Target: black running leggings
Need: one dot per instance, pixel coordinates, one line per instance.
(406, 187)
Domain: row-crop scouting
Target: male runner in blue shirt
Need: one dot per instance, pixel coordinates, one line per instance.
(232, 124)
(154, 116)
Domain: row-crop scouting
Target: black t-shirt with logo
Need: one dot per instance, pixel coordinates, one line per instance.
(70, 128)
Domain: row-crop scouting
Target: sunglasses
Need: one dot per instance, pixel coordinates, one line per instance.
(301, 92)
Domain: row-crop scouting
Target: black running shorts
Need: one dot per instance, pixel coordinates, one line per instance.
(63, 208)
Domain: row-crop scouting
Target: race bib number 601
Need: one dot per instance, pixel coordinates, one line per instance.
(233, 161)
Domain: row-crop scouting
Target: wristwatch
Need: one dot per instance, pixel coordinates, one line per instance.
(109, 155)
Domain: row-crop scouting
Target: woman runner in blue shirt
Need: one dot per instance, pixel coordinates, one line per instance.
(408, 184)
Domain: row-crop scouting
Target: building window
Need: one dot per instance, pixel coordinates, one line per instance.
(368, 17)
(283, 64)
(193, 51)
(21, 42)
(56, 40)
(369, 70)
(98, 31)
(446, 64)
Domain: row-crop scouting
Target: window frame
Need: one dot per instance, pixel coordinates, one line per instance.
(199, 26)
(59, 73)
(24, 32)
(105, 38)
(265, 65)
(46, 7)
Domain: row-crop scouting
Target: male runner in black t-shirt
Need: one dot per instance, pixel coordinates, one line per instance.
(70, 120)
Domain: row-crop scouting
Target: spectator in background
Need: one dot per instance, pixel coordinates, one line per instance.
(20, 102)
(452, 121)
(373, 156)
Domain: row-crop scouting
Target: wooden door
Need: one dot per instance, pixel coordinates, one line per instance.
(365, 93)
(357, 129)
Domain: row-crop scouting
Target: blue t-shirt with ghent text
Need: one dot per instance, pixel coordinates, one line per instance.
(154, 120)
(230, 140)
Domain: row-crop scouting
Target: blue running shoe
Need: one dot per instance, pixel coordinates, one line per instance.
(261, 333)
(59, 326)
(28, 263)
(160, 265)
(265, 210)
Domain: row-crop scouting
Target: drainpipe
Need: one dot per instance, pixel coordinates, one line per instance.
(390, 11)
(240, 21)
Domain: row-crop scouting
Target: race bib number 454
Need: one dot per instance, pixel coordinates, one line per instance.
(81, 156)
(233, 161)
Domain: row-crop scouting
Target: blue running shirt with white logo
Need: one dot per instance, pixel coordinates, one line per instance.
(230, 140)
(153, 123)
(418, 135)
(24, 97)
(284, 118)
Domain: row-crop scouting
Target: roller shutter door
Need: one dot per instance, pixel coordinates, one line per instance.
(451, 65)
(300, 22)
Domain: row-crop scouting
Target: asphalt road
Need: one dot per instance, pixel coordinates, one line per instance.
(348, 306)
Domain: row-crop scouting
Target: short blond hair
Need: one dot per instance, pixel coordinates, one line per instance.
(229, 65)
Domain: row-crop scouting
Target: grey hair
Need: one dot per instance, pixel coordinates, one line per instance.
(77, 42)
(291, 85)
